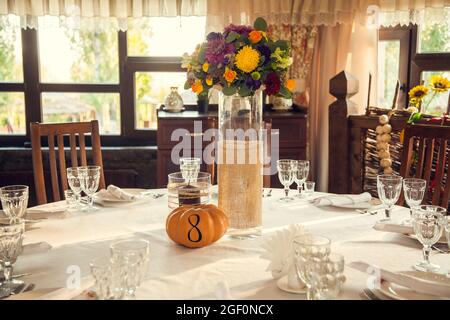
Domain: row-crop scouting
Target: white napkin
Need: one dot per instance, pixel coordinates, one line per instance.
(342, 199)
(37, 247)
(415, 284)
(113, 192)
(279, 250)
(399, 228)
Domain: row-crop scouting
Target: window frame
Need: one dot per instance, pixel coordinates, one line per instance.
(32, 87)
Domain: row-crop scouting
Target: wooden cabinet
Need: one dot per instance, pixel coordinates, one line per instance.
(190, 125)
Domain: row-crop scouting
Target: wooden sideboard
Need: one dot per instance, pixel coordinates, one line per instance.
(291, 126)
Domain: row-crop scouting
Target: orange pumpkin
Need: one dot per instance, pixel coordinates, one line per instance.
(196, 226)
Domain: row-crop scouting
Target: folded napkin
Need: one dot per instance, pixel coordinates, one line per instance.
(415, 284)
(342, 199)
(399, 228)
(115, 193)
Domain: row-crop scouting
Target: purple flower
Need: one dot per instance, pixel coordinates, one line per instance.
(252, 84)
(241, 29)
(217, 48)
(273, 84)
(265, 52)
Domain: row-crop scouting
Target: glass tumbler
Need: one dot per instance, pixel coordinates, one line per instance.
(110, 278)
(14, 201)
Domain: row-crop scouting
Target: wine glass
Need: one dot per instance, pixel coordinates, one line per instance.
(414, 190)
(307, 251)
(301, 174)
(428, 223)
(74, 180)
(14, 201)
(135, 255)
(389, 189)
(11, 237)
(190, 167)
(286, 172)
(90, 178)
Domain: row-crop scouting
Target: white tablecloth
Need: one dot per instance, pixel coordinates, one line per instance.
(179, 273)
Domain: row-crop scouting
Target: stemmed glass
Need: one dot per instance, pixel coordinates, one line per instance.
(286, 172)
(428, 223)
(301, 175)
(189, 168)
(414, 190)
(307, 251)
(14, 201)
(389, 189)
(74, 178)
(135, 255)
(90, 178)
(11, 237)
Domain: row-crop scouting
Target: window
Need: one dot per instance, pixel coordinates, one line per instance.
(388, 70)
(67, 75)
(434, 37)
(439, 104)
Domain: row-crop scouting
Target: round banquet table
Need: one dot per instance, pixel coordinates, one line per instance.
(176, 272)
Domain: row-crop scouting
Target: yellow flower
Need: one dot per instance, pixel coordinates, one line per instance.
(255, 36)
(247, 59)
(197, 86)
(205, 67)
(439, 83)
(209, 81)
(290, 84)
(229, 75)
(418, 92)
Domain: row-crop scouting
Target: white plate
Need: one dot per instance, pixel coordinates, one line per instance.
(397, 292)
(282, 284)
(133, 191)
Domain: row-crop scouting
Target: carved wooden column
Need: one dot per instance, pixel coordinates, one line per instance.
(342, 86)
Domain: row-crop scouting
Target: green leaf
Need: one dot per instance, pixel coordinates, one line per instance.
(187, 85)
(244, 91)
(285, 93)
(232, 36)
(260, 24)
(415, 117)
(229, 91)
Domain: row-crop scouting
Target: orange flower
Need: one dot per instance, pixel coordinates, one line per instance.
(255, 36)
(290, 84)
(197, 87)
(209, 81)
(229, 75)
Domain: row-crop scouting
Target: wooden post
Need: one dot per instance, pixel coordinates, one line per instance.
(342, 87)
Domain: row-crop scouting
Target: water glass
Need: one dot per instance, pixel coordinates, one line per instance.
(307, 251)
(414, 191)
(389, 189)
(327, 276)
(90, 178)
(189, 168)
(428, 222)
(301, 174)
(286, 172)
(11, 238)
(74, 180)
(71, 199)
(110, 278)
(309, 188)
(135, 255)
(14, 200)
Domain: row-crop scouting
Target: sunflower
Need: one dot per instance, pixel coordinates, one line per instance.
(247, 59)
(418, 92)
(439, 83)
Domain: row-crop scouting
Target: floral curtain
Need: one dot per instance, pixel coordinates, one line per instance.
(302, 39)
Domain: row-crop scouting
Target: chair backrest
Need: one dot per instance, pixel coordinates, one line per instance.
(425, 156)
(59, 130)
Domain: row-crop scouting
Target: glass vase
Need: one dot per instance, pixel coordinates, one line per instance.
(239, 168)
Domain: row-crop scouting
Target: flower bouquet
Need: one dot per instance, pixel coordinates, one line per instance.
(241, 59)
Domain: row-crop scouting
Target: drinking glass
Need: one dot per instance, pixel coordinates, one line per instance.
(447, 235)
(11, 237)
(414, 190)
(71, 199)
(110, 277)
(389, 189)
(428, 223)
(135, 255)
(327, 276)
(90, 178)
(301, 174)
(309, 188)
(14, 201)
(182, 192)
(309, 250)
(286, 173)
(189, 168)
(74, 180)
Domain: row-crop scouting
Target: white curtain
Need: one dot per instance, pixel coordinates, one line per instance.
(99, 13)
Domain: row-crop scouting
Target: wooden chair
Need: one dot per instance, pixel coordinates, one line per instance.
(425, 156)
(72, 130)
